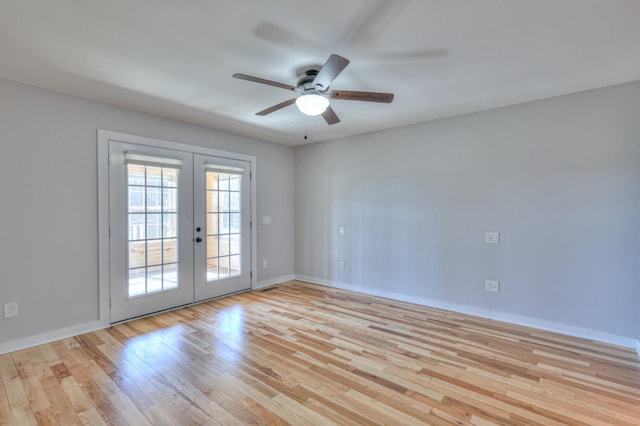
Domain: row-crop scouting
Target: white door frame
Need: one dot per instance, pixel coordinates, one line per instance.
(104, 136)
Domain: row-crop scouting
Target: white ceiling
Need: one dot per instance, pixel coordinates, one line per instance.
(440, 57)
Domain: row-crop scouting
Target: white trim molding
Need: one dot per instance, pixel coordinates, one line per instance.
(63, 333)
(274, 281)
(50, 336)
(555, 327)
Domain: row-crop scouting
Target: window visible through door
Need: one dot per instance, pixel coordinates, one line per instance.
(152, 216)
(224, 233)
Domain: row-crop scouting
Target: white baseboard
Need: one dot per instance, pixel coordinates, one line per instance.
(555, 327)
(63, 333)
(50, 336)
(273, 281)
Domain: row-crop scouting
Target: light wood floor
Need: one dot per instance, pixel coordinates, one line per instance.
(304, 354)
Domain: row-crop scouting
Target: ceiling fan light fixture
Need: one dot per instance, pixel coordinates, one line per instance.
(312, 91)
(312, 104)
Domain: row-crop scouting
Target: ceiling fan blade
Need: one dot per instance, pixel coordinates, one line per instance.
(330, 116)
(409, 55)
(275, 34)
(329, 71)
(263, 81)
(348, 95)
(370, 21)
(277, 107)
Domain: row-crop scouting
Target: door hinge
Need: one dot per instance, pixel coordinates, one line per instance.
(250, 274)
(250, 175)
(250, 224)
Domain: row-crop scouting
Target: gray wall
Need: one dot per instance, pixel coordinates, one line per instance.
(559, 179)
(48, 201)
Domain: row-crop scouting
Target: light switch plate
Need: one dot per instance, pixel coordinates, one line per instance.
(266, 220)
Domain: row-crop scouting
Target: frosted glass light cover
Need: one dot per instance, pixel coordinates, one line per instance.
(312, 104)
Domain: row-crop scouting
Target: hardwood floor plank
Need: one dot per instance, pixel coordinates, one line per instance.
(76, 396)
(374, 408)
(91, 417)
(306, 354)
(19, 415)
(130, 412)
(13, 387)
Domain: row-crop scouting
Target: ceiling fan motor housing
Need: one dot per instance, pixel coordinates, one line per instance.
(306, 82)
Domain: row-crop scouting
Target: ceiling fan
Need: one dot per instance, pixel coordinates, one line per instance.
(314, 94)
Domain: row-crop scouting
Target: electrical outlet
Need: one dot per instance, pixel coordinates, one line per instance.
(11, 309)
(492, 286)
(265, 263)
(342, 265)
(492, 238)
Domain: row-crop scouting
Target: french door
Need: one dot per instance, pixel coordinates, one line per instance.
(179, 228)
(222, 226)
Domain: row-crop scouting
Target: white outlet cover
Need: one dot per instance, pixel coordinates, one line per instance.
(492, 286)
(492, 237)
(266, 220)
(11, 309)
(342, 265)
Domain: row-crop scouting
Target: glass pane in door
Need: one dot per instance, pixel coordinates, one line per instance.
(223, 225)
(152, 219)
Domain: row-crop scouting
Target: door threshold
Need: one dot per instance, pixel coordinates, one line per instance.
(175, 308)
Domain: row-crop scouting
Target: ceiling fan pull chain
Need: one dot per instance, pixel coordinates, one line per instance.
(305, 127)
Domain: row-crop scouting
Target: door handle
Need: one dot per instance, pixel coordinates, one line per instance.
(198, 240)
